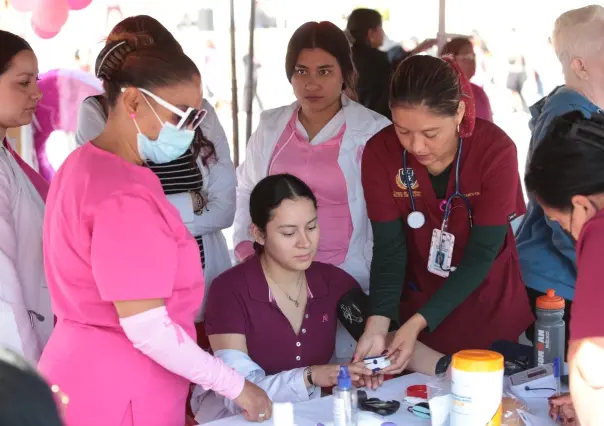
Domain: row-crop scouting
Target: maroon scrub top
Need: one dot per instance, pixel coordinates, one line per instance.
(239, 302)
(587, 315)
(499, 309)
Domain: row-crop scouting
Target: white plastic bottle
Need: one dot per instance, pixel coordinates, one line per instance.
(344, 400)
(283, 414)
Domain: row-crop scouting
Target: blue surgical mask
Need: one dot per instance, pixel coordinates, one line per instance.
(170, 144)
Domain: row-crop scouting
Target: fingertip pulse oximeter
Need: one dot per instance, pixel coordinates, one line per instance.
(376, 363)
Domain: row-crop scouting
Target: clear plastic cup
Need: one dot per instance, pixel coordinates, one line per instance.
(440, 401)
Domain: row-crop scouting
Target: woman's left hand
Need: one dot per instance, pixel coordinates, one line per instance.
(402, 345)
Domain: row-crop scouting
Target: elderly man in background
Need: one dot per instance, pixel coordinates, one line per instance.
(547, 253)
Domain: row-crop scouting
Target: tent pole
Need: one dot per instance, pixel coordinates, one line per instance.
(442, 35)
(250, 86)
(234, 108)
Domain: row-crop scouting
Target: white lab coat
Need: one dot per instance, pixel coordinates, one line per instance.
(361, 125)
(287, 386)
(26, 319)
(218, 188)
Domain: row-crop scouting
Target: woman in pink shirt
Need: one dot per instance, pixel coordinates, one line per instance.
(320, 139)
(26, 319)
(123, 270)
(462, 51)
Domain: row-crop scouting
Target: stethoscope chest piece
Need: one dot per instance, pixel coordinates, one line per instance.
(416, 219)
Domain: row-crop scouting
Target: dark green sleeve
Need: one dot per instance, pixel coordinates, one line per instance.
(483, 246)
(388, 268)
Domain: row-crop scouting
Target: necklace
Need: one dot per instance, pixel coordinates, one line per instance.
(291, 299)
(296, 300)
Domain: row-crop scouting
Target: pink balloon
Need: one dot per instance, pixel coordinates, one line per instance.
(24, 5)
(44, 34)
(50, 15)
(78, 4)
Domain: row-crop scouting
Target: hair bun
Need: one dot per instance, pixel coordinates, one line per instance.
(112, 57)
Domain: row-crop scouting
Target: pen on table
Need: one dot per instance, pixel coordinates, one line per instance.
(557, 374)
(557, 377)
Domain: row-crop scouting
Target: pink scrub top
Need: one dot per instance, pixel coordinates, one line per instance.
(111, 235)
(36, 179)
(316, 163)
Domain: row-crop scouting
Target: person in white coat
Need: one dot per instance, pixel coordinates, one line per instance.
(320, 139)
(26, 319)
(200, 184)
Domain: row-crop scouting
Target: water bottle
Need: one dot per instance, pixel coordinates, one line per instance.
(344, 400)
(550, 331)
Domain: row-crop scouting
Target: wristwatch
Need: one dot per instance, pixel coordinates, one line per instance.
(197, 202)
(442, 365)
(309, 376)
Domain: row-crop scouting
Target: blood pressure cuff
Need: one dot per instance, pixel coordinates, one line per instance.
(353, 309)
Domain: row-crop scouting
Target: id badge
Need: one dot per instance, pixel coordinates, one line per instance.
(441, 253)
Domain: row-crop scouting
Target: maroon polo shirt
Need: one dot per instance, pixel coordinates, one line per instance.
(239, 302)
(586, 315)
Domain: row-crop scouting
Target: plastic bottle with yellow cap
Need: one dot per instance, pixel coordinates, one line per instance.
(476, 387)
(549, 342)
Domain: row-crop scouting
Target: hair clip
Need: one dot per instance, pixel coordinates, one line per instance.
(100, 67)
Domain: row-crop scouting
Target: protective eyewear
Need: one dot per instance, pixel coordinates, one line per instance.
(189, 120)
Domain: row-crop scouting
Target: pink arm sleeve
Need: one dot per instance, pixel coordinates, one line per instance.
(154, 334)
(244, 250)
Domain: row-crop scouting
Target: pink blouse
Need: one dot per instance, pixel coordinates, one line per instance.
(316, 163)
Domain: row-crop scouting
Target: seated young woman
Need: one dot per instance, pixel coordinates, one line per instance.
(273, 317)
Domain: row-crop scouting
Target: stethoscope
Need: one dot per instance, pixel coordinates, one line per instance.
(416, 219)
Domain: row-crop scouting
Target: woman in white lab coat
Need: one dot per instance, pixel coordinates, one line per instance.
(212, 175)
(320, 139)
(26, 319)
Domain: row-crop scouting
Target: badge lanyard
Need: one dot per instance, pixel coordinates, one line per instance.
(441, 247)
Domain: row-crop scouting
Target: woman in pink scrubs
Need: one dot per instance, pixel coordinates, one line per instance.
(320, 139)
(123, 270)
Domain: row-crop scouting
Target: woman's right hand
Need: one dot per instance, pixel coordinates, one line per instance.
(562, 411)
(255, 403)
(371, 343)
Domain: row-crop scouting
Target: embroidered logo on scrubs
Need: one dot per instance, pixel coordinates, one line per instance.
(401, 181)
(325, 318)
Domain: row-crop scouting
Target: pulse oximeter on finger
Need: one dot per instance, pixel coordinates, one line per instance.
(376, 363)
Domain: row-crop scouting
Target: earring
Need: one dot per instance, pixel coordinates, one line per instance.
(133, 115)
(458, 128)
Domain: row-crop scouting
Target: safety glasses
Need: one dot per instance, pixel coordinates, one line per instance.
(189, 120)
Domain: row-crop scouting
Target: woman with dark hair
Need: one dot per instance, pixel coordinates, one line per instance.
(25, 399)
(374, 68)
(320, 139)
(201, 182)
(462, 51)
(566, 176)
(441, 190)
(26, 319)
(123, 270)
(273, 317)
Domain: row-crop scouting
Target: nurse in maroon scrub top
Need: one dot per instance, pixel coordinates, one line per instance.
(441, 188)
(575, 199)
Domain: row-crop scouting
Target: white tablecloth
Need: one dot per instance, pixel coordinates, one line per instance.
(309, 413)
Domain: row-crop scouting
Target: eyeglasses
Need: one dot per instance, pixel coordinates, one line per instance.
(189, 120)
